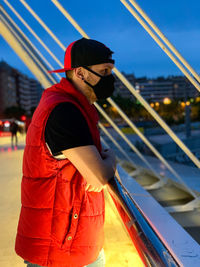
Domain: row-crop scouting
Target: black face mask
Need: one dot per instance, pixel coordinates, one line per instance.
(105, 86)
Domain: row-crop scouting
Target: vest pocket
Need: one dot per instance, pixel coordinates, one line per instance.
(71, 232)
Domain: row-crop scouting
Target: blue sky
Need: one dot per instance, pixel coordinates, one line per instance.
(110, 22)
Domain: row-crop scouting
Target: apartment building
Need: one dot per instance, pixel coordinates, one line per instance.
(156, 90)
(17, 89)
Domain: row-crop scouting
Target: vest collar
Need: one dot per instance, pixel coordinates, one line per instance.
(69, 88)
(66, 87)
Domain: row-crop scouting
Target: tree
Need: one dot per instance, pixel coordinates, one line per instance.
(14, 111)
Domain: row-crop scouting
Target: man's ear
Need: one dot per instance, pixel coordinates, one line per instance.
(79, 73)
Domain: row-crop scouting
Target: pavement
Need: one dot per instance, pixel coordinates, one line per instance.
(119, 249)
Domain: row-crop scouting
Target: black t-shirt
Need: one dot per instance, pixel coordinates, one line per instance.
(66, 128)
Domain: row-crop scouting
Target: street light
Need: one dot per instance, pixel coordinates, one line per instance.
(187, 103)
(182, 104)
(167, 101)
(152, 105)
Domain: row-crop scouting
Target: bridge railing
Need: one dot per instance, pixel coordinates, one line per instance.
(158, 238)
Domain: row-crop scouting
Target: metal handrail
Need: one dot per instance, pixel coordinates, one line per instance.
(149, 246)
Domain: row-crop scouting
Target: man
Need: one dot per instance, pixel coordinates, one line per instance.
(64, 167)
(14, 129)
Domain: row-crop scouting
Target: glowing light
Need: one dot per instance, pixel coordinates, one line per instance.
(152, 105)
(6, 123)
(23, 117)
(114, 109)
(157, 104)
(105, 105)
(167, 101)
(187, 103)
(182, 104)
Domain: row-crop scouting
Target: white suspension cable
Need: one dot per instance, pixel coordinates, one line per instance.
(33, 33)
(33, 46)
(17, 43)
(25, 45)
(144, 103)
(163, 47)
(102, 127)
(45, 27)
(42, 24)
(143, 138)
(163, 37)
(54, 0)
(67, 15)
(157, 118)
(116, 144)
(137, 151)
(152, 148)
(126, 140)
(104, 142)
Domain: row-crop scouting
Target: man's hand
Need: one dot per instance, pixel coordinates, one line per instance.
(108, 153)
(109, 156)
(105, 154)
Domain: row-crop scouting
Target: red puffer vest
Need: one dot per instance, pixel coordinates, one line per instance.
(60, 224)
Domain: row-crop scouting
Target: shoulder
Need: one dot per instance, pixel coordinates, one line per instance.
(65, 109)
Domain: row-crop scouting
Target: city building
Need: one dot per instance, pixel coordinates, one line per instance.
(156, 90)
(120, 88)
(17, 89)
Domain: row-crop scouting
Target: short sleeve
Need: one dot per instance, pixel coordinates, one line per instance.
(66, 128)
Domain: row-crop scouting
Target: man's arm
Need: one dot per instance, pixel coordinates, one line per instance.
(95, 168)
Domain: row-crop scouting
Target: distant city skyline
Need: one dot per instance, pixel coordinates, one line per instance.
(154, 90)
(17, 90)
(111, 23)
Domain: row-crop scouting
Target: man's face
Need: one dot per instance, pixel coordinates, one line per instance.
(102, 69)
